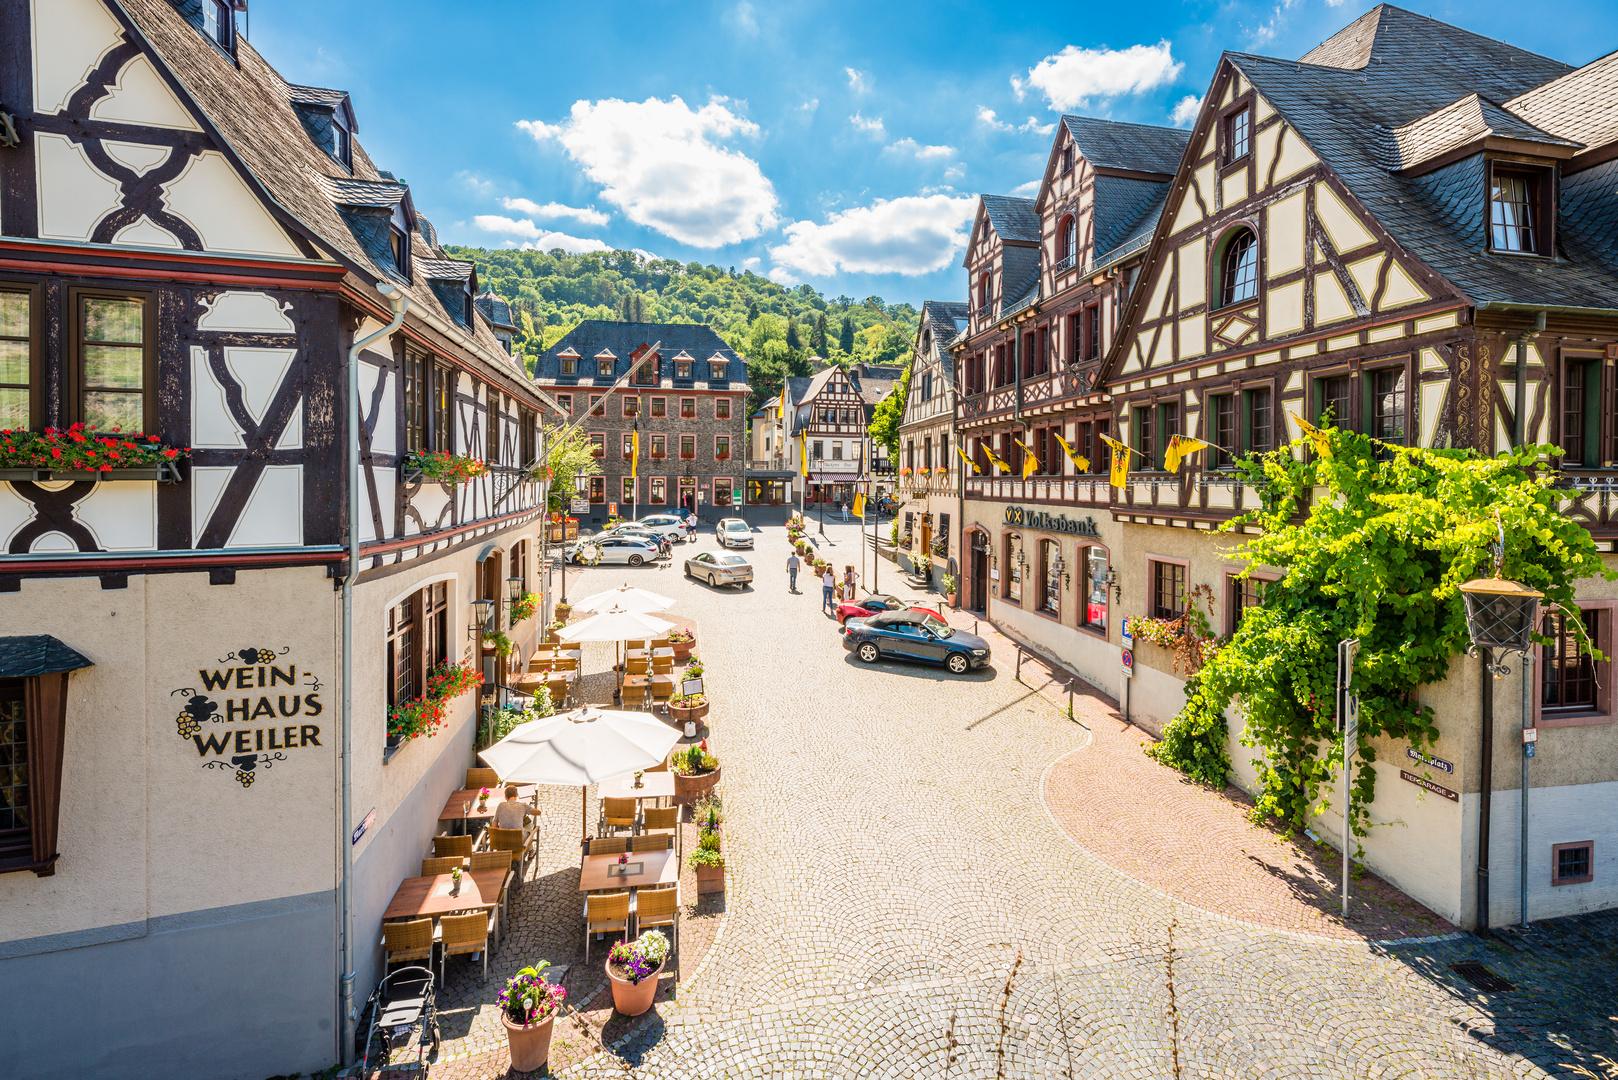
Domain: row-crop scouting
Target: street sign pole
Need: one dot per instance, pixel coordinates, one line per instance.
(1348, 716)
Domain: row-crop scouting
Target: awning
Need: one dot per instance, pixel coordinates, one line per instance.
(836, 478)
(37, 654)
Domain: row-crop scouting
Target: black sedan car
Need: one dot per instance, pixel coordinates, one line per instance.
(914, 635)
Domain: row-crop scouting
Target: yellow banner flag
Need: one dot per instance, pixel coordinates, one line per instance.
(803, 455)
(634, 453)
(1180, 446)
(1080, 462)
(1030, 463)
(970, 464)
(1317, 437)
(995, 459)
(859, 504)
(1120, 461)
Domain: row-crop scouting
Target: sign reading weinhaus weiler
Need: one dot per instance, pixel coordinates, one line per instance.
(250, 712)
(1039, 519)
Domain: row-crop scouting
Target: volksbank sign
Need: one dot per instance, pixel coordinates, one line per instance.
(1038, 519)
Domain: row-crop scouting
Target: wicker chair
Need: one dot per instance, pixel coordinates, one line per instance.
(661, 766)
(516, 841)
(619, 814)
(651, 842)
(609, 845)
(662, 665)
(404, 941)
(661, 691)
(433, 867)
(482, 778)
(658, 907)
(461, 934)
(636, 665)
(460, 846)
(497, 860)
(603, 912)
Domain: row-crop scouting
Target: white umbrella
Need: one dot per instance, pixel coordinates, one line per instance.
(625, 598)
(581, 747)
(615, 625)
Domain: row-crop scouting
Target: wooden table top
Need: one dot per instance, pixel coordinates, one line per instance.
(464, 804)
(419, 897)
(655, 785)
(646, 680)
(649, 868)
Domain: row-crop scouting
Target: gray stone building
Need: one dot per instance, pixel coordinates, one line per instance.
(688, 400)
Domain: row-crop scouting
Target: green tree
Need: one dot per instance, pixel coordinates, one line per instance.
(569, 458)
(845, 336)
(817, 339)
(793, 341)
(888, 414)
(752, 311)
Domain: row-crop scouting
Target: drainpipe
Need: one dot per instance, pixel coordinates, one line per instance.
(401, 304)
(1486, 788)
(1520, 425)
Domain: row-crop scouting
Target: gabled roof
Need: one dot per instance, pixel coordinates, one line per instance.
(495, 309)
(447, 269)
(1015, 220)
(1111, 144)
(1577, 106)
(617, 340)
(1431, 54)
(322, 98)
(1460, 124)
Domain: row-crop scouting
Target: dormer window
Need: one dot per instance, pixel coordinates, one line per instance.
(219, 23)
(682, 369)
(466, 311)
(1518, 211)
(399, 244)
(342, 142)
(1067, 159)
(1238, 134)
(570, 363)
(603, 369)
(717, 369)
(1067, 243)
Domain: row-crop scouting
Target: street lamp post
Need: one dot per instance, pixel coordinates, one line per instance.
(1501, 614)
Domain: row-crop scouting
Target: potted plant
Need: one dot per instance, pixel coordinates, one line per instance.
(682, 641)
(524, 607)
(696, 771)
(497, 642)
(483, 798)
(709, 863)
(687, 707)
(694, 669)
(528, 1008)
(633, 967)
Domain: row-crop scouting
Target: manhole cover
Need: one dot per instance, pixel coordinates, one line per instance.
(1481, 977)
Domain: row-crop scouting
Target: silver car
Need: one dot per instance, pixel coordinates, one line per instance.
(671, 533)
(666, 521)
(719, 568)
(611, 548)
(734, 532)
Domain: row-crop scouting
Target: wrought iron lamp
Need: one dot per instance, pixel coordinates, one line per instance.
(514, 589)
(484, 611)
(1501, 614)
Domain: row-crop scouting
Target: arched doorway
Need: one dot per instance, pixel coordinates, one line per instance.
(978, 562)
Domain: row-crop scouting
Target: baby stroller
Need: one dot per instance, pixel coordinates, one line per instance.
(401, 1010)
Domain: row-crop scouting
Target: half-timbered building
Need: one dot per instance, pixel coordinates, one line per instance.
(1408, 232)
(828, 415)
(928, 473)
(1050, 276)
(189, 248)
(686, 397)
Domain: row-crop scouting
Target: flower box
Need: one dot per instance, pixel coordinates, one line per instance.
(688, 789)
(710, 879)
(684, 713)
(688, 457)
(166, 473)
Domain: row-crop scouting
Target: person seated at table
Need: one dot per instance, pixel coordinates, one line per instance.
(513, 813)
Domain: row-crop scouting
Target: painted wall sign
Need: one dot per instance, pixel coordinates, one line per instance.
(1427, 785)
(1438, 763)
(248, 727)
(365, 823)
(1039, 519)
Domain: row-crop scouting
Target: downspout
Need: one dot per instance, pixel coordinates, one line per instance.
(401, 304)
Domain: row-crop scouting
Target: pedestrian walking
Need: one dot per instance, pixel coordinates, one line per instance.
(691, 522)
(845, 511)
(793, 562)
(828, 588)
(849, 580)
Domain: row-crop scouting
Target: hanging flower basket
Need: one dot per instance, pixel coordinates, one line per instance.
(440, 467)
(425, 715)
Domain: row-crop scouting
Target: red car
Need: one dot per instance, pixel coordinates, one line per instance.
(870, 605)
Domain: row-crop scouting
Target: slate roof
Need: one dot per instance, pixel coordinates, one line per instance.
(1014, 220)
(941, 317)
(1019, 269)
(1454, 126)
(1577, 106)
(255, 113)
(37, 654)
(1139, 147)
(1121, 204)
(495, 309)
(1391, 68)
(594, 336)
(446, 269)
(322, 98)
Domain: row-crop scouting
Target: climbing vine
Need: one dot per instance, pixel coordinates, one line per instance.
(1374, 541)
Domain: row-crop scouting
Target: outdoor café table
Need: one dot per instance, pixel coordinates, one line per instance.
(646, 868)
(430, 896)
(654, 785)
(463, 805)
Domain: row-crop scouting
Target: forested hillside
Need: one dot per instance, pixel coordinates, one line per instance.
(777, 328)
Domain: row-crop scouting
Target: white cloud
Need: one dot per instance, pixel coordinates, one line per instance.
(741, 20)
(584, 215)
(910, 147)
(955, 171)
(475, 184)
(1019, 87)
(1270, 30)
(1025, 190)
(664, 165)
(535, 237)
(870, 127)
(914, 235)
(858, 81)
(1032, 124)
(1070, 78)
(1185, 111)
(810, 106)
(782, 276)
(987, 117)
(751, 262)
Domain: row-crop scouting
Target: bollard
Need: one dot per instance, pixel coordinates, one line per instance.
(1070, 699)
(975, 628)
(1019, 663)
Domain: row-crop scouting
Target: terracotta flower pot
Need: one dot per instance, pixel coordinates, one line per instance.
(695, 712)
(530, 1045)
(632, 999)
(710, 879)
(682, 649)
(688, 789)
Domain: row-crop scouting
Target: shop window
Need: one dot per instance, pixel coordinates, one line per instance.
(17, 360)
(1573, 864)
(1167, 583)
(1093, 568)
(1015, 565)
(722, 491)
(598, 489)
(116, 366)
(1050, 571)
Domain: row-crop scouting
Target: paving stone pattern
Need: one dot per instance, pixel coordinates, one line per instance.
(902, 903)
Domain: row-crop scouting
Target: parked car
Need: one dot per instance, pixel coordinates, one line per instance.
(610, 548)
(867, 606)
(734, 532)
(659, 521)
(914, 635)
(719, 568)
(670, 533)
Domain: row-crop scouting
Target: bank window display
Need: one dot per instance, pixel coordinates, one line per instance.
(1167, 580)
(1093, 563)
(1050, 572)
(1014, 567)
(115, 349)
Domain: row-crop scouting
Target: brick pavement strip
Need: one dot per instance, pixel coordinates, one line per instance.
(890, 855)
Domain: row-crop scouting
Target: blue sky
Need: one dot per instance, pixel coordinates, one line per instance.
(840, 144)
